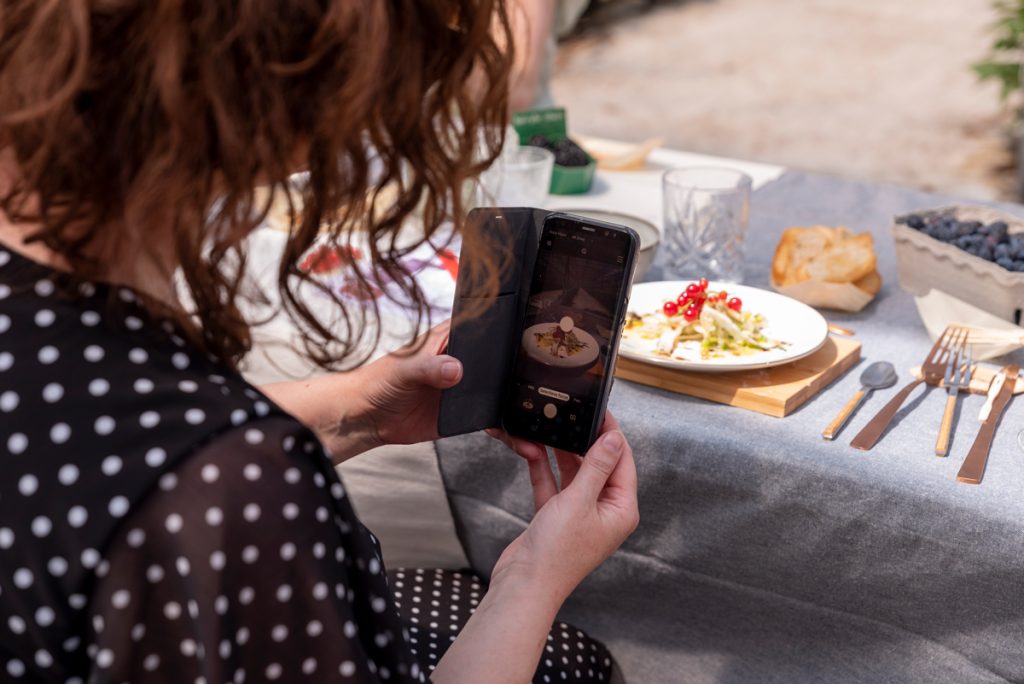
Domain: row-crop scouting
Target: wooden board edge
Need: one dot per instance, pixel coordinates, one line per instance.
(824, 379)
(654, 376)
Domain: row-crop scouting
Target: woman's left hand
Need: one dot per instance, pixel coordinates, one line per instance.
(402, 392)
(393, 400)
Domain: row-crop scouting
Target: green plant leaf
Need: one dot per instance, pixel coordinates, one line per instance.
(1008, 42)
(1007, 74)
(1004, 61)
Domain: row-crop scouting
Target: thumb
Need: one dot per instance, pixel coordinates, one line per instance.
(599, 463)
(441, 372)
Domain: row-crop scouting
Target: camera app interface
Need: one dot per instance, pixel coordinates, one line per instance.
(569, 326)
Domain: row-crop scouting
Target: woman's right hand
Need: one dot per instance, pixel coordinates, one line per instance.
(576, 528)
(573, 531)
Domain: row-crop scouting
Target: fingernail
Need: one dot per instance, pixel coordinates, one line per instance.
(450, 370)
(614, 441)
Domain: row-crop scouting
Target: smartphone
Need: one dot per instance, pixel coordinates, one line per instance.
(565, 361)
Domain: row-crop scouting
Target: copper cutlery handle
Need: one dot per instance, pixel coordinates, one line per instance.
(870, 433)
(840, 330)
(973, 468)
(942, 443)
(844, 415)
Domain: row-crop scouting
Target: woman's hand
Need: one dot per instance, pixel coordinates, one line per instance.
(577, 528)
(402, 393)
(393, 400)
(574, 530)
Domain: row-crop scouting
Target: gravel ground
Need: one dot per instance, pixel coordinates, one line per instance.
(867, 89)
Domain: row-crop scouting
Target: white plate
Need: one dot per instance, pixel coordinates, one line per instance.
(803, 329)
(584, 357)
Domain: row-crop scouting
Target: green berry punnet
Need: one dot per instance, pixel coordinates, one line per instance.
(574, 169)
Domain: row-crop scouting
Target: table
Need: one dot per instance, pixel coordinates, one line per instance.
(766, 554)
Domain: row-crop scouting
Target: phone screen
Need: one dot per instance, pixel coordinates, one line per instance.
(569, 332)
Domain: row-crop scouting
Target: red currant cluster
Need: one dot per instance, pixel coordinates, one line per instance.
(691, 302)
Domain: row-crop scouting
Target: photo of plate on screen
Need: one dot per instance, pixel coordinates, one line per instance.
(560, 344)
(716, 327)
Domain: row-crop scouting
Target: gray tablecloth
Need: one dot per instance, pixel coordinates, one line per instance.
(766, 554)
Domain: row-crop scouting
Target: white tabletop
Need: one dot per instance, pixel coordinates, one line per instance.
(639, 192)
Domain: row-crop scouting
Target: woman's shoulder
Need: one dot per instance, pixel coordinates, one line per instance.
(98, 371)
(100, 404)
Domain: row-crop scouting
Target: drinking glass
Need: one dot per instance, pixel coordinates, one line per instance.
(520, 177)
(706, 215)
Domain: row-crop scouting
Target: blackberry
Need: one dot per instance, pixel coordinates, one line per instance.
(568, 153)
(541, 141)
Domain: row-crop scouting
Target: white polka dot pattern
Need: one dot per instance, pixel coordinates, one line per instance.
(211, 531)
(141, 480)
(435, 604)
(294, 609)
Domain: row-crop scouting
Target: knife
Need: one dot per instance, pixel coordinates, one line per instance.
(993, 390)
(973, 468)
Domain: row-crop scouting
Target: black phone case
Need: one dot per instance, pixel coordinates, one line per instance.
(486, 345)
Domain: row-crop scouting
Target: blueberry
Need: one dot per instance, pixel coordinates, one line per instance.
(964, 229)
(1006, 263)
(915, 222)
(1018, 265)
(997, 230)
(1002, 251)
(985, 252)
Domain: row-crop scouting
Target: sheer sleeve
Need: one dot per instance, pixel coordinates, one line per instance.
(247, 564)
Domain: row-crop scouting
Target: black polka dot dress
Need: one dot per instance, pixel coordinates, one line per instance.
(435, 604)
(162, 521)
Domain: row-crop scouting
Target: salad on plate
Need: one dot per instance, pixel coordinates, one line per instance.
(560, 339)
(700, 325)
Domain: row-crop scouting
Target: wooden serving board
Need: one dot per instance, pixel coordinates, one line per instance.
(776, 391)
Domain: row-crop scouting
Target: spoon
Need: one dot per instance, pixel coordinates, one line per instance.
(878, 375)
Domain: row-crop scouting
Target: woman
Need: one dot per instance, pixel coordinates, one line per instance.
(536, 27)
(160, 520)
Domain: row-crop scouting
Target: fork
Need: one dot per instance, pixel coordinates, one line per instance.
(932, 371)
(958, 377)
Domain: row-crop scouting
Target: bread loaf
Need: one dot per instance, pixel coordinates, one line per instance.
(822, 253)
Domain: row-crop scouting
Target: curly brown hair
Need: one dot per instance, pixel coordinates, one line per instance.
(142, 128)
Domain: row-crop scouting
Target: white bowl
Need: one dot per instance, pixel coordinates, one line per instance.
(648, 232)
